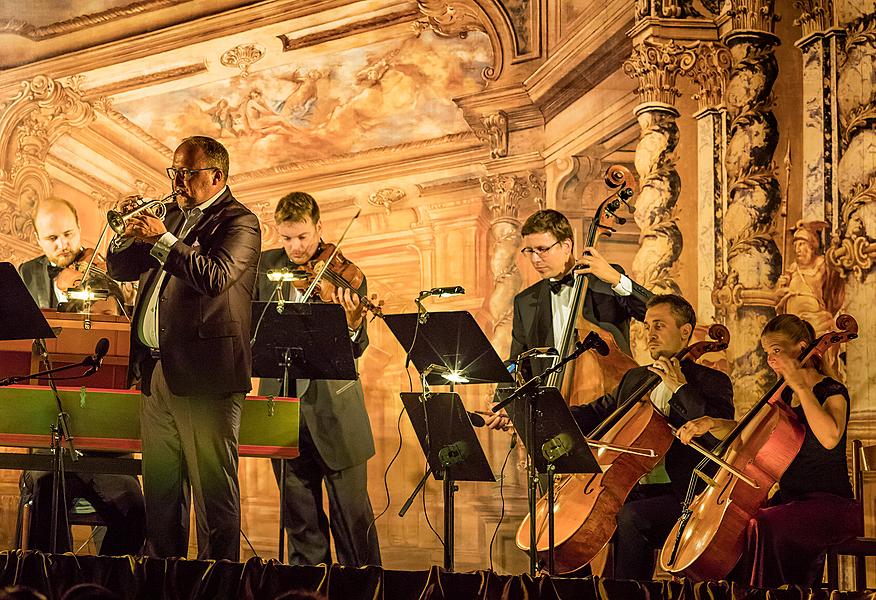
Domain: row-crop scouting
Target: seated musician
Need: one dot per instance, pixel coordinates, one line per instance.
(335, 439)
(118, 499)
(687, 391)
(813, 507)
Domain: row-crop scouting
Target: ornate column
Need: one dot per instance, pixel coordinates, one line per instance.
(656, 65)
(709, 74)
(853, 247)
(744, 296)
(821, 140)
(503, 195)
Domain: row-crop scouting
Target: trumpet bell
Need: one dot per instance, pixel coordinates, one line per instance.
(116, 219)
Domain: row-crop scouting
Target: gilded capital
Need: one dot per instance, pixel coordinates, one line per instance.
(656, 65)
(814, 16)
(709, 73)
(505, 192)
(665, 9)
(754, 15)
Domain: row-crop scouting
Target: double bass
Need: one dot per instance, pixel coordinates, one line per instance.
(587, 378)
(586, 505)
(709, 537)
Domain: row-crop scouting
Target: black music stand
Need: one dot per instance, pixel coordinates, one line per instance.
(451, 448)
(555, 445)
(450, 339)
(301, 341)
(20, 317)
(449, 348)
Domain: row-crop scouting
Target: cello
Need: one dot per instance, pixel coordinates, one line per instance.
(586, 505)
(709, 537)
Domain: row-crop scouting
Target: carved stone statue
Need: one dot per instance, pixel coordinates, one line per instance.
(809, 288)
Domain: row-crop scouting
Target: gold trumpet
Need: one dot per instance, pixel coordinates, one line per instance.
(155, 206)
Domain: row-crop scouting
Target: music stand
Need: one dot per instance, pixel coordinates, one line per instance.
(20, 317)
(301, 341)
(555, 445)
(453, 340)
(448, 348)
(451, 447)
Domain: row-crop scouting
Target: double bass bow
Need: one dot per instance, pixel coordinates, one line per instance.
(709, 537)
(586, 505)
(588, 377)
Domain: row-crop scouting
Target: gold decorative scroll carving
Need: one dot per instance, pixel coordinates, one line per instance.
(815, 15)
(656, 65)
(242, 56)
(709, 73)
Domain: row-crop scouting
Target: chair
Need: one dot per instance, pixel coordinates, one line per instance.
(80, 513)
(863, 460)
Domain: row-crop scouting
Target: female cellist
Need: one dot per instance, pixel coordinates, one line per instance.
(813, 508)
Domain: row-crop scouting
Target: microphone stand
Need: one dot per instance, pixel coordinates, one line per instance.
(591, 341)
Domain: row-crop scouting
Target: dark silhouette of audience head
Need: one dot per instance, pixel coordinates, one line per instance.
(301, 595)
(20, 592)
(90, 591)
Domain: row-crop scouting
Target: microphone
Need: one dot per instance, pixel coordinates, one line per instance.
(95, 360)
(541, 352)
(476, 419)
(443, 292)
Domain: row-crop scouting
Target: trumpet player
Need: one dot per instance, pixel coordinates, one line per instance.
(190, 349)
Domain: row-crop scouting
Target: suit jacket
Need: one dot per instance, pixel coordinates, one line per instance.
(707, 392)
(35, 274)
(533, 319)
(204, 309)
(333, 410)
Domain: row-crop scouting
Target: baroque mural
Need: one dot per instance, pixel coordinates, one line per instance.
(381, 94)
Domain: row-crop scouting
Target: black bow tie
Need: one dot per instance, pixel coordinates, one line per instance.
(557, 284)
(54, 271)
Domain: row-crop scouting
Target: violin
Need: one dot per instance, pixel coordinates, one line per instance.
(72, 275)
(338, 272)
(632, 441)
(709, 537)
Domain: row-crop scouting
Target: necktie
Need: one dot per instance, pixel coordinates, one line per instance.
(558, 284)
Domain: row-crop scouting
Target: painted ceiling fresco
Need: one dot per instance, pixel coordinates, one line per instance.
(325, 104)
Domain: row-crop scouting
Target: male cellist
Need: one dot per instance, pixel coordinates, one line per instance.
(687, 391)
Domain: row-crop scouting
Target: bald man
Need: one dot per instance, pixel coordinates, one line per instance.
(57, 229)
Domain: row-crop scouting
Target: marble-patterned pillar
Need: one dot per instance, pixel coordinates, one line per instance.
(744, 296)
(821, 140)
(853, 247)
(656, 65)
(503, 195)
(709, 74)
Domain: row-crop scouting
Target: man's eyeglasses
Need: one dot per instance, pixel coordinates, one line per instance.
(540, 250)
(186, 174)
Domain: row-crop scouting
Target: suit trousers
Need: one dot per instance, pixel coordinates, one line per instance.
(190, 450)
(350, 517)
(643, 523)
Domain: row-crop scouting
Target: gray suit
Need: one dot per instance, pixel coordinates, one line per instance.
(335, 443)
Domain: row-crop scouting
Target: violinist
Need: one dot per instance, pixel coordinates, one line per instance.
(118, 499)
(47, 277)
(813, 507)
(687, 391)
(334, 439)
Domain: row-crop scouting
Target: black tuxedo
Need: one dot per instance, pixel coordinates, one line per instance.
(193, 387)
(651, 510)
(118, 499)
(533, 318)
(39, 282)
(335, 443)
